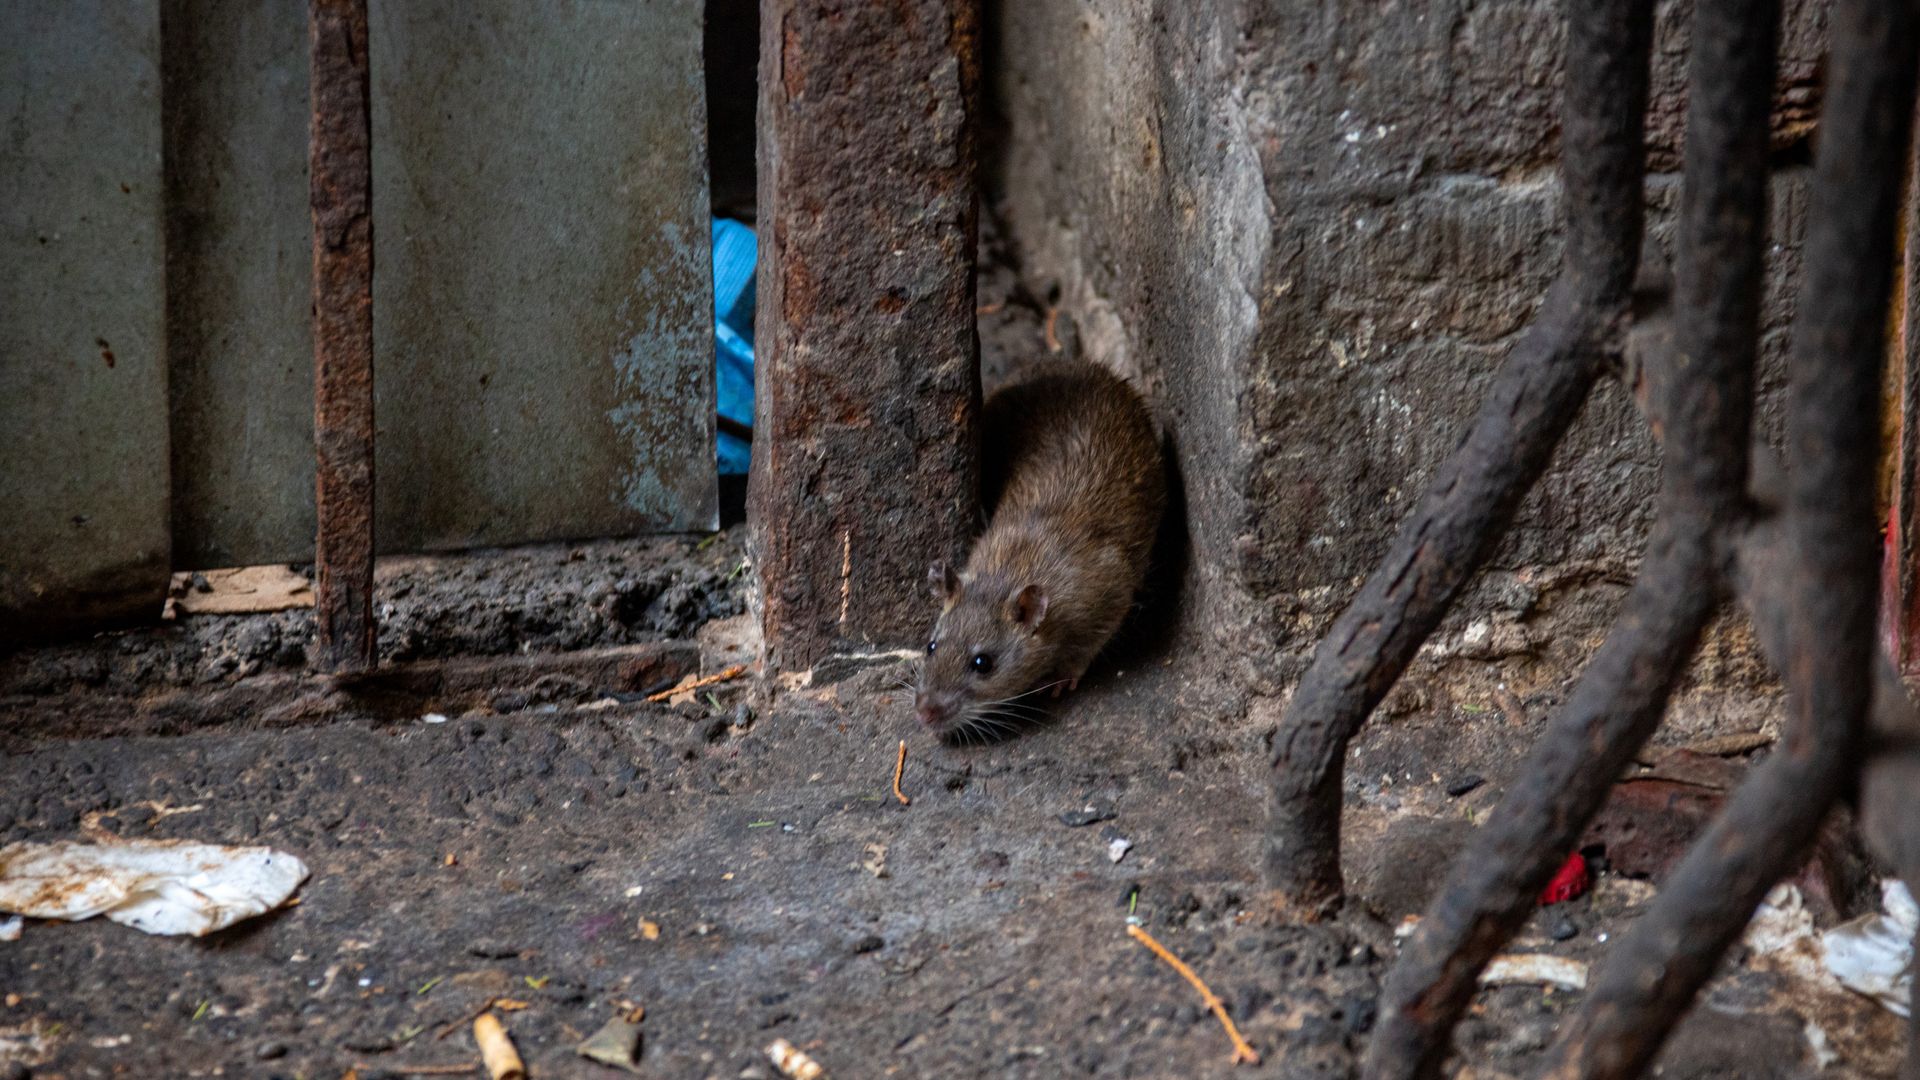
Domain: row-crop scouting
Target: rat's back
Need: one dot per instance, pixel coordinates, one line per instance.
(1075, 445)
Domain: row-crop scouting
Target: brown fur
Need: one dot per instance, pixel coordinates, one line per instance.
(1076, 485)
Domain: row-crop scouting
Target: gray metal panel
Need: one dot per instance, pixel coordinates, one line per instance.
(239, 266)
(83, 393)
(544, 363)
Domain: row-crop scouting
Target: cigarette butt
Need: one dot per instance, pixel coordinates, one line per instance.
(793, 1061)
(496, 1049)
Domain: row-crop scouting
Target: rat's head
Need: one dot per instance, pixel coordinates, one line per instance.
(985, 651)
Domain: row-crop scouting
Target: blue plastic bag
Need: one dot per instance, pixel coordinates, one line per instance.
(734, 252)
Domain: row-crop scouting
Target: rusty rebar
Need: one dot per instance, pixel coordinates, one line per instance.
(1703, 406)
(341, 193)
(1474, 496)
(1829, 582)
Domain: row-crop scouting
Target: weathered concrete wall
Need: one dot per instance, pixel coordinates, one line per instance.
(83, 379)
(1314, 231)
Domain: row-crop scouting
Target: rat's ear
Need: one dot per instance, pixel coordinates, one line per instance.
(944, 583)
(1028, 606)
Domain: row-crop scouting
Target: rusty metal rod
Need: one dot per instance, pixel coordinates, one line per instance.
(1703, 405)
(1474, 496)
(341, 192)
(1829, 581)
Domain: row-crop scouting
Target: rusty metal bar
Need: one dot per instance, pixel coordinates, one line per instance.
(1829, 583)
(864, 452)
(342, 203)
(1474, 496)
(1704, 408)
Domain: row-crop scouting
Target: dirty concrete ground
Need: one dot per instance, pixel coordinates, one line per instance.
(523, 852)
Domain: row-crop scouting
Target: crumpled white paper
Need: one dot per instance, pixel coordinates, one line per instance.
(157, 886)
(1873, 954)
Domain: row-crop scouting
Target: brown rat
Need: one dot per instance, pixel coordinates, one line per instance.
(1074, 481)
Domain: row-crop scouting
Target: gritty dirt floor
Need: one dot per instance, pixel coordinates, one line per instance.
(738, 865)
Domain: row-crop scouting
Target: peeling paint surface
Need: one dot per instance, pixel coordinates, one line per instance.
(544, 362)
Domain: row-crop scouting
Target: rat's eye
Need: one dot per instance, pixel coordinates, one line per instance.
(982, 663)
(930, 646)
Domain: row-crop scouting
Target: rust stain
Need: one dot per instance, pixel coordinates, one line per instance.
(106, 351)
(341, 195)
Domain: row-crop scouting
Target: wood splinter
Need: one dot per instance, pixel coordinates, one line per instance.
(688, 687)
(1242, 1050)
(899, 767)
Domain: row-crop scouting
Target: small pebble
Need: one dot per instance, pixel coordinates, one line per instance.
(870, 943)
(493, 949)
(1090, 814)
(1465, 784)
(269, 1051)
(1563, 929)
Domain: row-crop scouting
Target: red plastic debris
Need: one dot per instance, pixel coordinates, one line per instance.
(1569, 882)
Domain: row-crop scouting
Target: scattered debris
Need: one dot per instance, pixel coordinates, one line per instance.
(239, 590)
(1570, 882)
(1873, 954)
(1117, 848)
(1781, 933)
(873, 859)
(1820, 1046)
(156, 886)
(434, 718)
(900, 767)
(649, 930)
(684, 691)
(617, 1043)
(496, 1048)
(1091, 814)
(793, 1061)
(1241, 1050)
(1564, 929)
(1542, 969)
(1510, 705)
(1465, 784)
(11, 927)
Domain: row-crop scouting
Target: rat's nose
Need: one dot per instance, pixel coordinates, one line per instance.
(930, 712)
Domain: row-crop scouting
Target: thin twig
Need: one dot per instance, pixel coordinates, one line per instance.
(1053, 340)
(728, 675)
(455, 1025)
(1242, 1051)
(900, 766)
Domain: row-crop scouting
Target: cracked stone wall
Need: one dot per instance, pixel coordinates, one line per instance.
(1313, 232)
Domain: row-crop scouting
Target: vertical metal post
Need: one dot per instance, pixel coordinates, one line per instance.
(339, 156)
(868, 367)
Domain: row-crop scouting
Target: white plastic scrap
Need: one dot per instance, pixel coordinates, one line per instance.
(1541, 969)
(1873, 954)
(10, 928)
(157, 886)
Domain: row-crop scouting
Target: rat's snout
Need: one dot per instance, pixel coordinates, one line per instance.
(934, 712)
